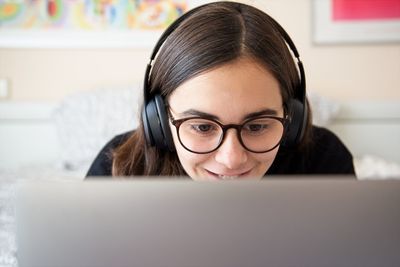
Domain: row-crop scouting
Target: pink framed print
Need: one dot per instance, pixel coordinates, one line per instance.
(356, 21)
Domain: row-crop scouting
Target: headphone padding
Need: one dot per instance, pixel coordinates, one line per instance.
(146, 127)
(167, 140)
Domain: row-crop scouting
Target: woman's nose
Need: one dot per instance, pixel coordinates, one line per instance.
(231, 153)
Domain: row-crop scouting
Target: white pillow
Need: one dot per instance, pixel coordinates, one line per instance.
(86, 120)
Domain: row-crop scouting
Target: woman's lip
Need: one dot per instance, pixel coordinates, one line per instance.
(239, 174)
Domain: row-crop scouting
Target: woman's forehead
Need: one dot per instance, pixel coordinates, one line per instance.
(242, 86)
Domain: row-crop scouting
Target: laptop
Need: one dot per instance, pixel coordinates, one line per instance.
(179, 223)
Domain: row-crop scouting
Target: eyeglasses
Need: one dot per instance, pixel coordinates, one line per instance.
(258, 135)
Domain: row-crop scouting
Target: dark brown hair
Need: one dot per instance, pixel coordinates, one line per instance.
(216, 34)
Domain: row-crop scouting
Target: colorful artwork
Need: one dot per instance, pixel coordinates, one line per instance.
(89, 14)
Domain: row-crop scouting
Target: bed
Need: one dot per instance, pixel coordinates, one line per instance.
(42, 140)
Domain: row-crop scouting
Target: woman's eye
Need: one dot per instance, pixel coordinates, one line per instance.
(256, 127)
(199, 127)
(202, 127)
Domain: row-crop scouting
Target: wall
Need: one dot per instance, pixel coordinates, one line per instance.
(343, 72)
(38, 74)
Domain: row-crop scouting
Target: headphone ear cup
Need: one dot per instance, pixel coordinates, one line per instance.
(156, 126)
(146, 127)
(296, 128)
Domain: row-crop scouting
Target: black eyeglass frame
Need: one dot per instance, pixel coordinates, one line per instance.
(225, 127)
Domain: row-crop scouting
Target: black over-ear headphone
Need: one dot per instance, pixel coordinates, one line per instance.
(155, 116)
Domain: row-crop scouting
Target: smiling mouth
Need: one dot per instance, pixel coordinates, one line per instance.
(227, 177)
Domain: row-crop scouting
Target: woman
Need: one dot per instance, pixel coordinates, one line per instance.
(224, 100)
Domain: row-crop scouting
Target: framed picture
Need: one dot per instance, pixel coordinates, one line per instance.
(86, 23)
(356, 21)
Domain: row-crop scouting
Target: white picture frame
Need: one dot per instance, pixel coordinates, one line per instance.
(327, 31)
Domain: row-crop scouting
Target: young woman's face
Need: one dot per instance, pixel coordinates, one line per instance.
(230, 94)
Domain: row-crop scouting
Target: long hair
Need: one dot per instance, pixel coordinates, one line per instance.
(216, 34)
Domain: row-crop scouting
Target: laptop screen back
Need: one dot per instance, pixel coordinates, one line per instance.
(292, 222)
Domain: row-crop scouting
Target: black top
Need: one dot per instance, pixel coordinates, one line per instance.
(326, 155)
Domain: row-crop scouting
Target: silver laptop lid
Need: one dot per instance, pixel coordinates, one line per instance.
(184, 223)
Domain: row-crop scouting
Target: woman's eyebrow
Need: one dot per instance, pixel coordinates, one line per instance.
(267, 111)
(194, 112)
